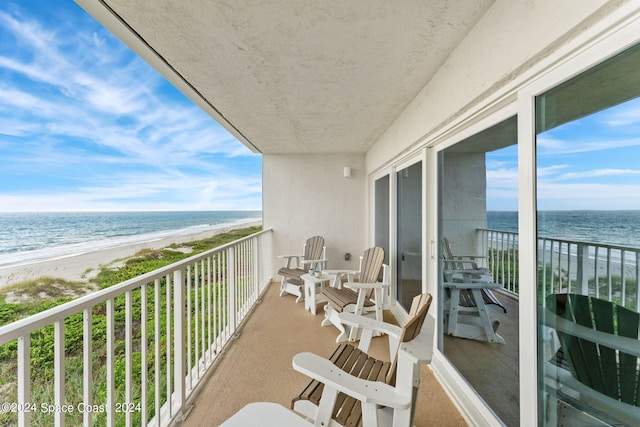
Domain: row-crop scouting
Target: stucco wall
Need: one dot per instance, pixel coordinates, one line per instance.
(511, 37)
(305, 195)
(464, 200)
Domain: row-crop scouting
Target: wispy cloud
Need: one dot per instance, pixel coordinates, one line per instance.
(600, 173)
(96, 127)
(552, 146)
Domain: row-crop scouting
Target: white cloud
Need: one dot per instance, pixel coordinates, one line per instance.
(550, 146)
(627, 114)
(76, 99)
(587, 196)
(600, 173)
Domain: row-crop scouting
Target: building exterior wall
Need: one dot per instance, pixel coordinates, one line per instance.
(306, 195)
(507, 41)
(464, 204)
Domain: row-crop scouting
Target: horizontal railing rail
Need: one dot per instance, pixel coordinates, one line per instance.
(146, 342)
(610, 272)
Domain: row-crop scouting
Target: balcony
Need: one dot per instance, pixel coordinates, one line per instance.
(187, 344)
(194, 342)
(257, 367)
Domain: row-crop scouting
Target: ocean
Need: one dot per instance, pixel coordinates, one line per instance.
(621, 228)
(26, 237)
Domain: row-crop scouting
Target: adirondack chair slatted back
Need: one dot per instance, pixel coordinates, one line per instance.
(604, 369)
(460, 262)
(370, 266)
(418, 313)
(313, 248)
(448, 254)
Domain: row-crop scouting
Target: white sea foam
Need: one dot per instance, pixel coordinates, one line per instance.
(86, 239)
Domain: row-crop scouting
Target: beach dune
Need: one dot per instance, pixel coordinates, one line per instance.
(81, 267)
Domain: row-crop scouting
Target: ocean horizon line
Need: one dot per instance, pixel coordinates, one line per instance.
(35, 237)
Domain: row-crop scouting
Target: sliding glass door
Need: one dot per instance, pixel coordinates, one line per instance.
(588, 217)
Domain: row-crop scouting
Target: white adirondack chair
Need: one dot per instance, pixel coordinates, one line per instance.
(469, 299)
(351, 387)
(362, 294)
(314, 256)
(360, 390)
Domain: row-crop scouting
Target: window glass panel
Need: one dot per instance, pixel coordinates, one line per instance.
(478, 231)
(381, 215)
(588, 218)
(409, 234)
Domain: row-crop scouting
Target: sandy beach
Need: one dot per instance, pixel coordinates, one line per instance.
(81, 267)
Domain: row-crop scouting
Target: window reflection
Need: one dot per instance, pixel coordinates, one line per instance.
(478, 200)
(588, 143)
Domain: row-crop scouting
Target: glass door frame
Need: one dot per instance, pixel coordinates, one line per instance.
(462, 389)
(609, 36)
(420, 156)
(391, 170)
(611, 40)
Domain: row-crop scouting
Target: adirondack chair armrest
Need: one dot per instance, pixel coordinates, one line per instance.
(461, 261)
(625, 344)
(470, 271)
(420, 349)
(357, 285)
(363, 322)
(313, 261)
(373, 392)
(473, 285)
(462, 257)
(291, 257)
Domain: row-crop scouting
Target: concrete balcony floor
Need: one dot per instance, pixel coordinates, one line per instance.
(257, 366)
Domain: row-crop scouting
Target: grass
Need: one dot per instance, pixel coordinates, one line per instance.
(33, 296)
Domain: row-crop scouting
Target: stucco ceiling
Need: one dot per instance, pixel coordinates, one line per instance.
(307, 76)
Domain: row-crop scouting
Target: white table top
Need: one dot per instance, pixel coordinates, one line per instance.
(265, 414)
(323, 278)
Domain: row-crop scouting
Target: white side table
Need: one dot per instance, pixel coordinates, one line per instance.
(313, 290)
(265, 414)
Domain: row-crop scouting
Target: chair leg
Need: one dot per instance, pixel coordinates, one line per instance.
(331, 318)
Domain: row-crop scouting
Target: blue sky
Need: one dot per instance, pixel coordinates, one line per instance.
(85, 125)
(589, 163)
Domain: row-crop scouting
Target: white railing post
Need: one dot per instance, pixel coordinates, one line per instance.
(111, 407)
(231, 283)
(179, 340)
(143, 355)
(24, 378)
(58, 370)
(87, 373)
(582, 279)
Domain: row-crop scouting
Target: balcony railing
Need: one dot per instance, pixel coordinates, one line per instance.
(146, 342)
(610, 272)
(501, 250)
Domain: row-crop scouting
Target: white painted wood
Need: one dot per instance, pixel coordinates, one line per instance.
(265, 414)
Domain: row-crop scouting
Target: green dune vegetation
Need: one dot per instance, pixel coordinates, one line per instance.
(34, 296)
